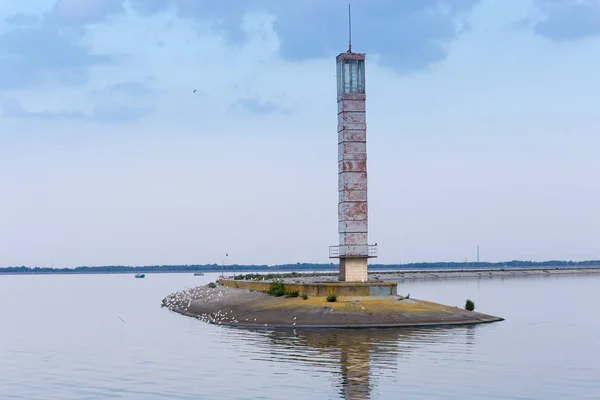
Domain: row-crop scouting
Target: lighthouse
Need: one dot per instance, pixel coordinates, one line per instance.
(353, 250)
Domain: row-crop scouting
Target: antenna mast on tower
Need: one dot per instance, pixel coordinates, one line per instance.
(349, 31)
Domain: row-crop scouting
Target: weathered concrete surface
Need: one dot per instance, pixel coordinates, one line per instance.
(243, 308)
(321, 288)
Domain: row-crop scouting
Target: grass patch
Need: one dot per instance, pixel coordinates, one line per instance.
(304, 296)
(276, 288)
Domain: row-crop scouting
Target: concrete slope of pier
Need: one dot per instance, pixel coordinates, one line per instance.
(243, 308)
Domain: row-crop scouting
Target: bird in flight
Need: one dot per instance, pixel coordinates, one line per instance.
(195, 90)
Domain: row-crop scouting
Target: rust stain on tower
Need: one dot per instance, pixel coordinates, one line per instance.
(353, 249)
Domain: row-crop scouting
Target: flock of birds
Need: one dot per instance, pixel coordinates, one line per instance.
(182, 301)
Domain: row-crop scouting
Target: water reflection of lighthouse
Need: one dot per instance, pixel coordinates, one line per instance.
(356, 352)
(355, 362)
(358, 357)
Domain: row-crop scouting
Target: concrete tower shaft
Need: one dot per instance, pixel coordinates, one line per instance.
(353, 249)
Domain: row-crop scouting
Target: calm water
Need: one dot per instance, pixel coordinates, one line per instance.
(63, 337)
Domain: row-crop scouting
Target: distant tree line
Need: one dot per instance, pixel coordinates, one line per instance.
(108, 269)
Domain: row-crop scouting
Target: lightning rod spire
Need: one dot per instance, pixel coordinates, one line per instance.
(349, 31)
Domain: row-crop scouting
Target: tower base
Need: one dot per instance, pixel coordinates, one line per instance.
(353, 269)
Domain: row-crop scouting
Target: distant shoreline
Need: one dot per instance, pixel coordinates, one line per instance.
(419, 268)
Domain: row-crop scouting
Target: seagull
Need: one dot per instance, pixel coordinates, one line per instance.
(195, 90)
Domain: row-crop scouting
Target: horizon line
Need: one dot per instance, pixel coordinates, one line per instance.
(421, 263)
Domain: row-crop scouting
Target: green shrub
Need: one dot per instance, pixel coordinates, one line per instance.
(212, 285)
(469, 305)
(304, 296)
(276, 289)
(293, 293)
(332, 298)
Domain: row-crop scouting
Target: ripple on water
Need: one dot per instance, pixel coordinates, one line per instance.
(80, 349)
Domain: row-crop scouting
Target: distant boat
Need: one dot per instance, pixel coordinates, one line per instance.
(198, 274)
(140, 275)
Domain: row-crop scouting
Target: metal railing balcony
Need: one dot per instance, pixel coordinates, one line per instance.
(349, 251)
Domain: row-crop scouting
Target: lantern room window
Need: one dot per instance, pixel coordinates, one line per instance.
(351, 76)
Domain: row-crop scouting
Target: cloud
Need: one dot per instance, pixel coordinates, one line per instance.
(257, 106)
(35, 55)
(119, 114)
(12, 108)
(425, 137)
(77, 12)
(108, 114)
(130, 88)
(569, 20)
(408, 35)
(22, 19)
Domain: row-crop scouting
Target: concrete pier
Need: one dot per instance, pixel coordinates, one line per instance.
(244, 308)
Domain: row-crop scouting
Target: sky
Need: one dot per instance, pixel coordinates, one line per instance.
(483, 129)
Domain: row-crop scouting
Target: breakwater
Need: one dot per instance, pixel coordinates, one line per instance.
(397, 276)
